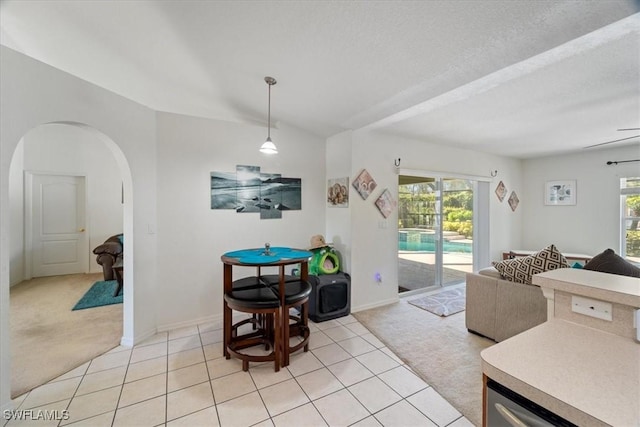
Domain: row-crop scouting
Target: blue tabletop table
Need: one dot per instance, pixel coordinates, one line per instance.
(267, 257)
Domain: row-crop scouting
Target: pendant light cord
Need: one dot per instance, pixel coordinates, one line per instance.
(269, 115)
(268, 147)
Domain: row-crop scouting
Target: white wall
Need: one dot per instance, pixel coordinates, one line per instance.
(338, 229)
(62, 148)
(192, 237)
(374, 240)
(32, 94)
(16, 206)
(593, 224)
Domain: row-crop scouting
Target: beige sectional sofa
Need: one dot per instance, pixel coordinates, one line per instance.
(499, 309)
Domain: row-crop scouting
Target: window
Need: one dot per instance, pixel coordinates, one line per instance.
(630, 218)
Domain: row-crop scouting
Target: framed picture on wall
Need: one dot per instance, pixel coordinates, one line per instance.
(338, 193)
(560, 193)
(501, 191)
(513, 201)
(364, 184)
(385, 203)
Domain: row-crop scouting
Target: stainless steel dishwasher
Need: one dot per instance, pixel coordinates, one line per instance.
(506, 408)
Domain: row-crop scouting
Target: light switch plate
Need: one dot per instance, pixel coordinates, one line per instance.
(592, 307)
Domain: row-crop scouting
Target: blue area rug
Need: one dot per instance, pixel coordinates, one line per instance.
(100, 293)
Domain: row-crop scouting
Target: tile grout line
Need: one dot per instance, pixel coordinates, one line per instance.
(374, 376)
(95, 391)
(206, 365)
(295, 378)
(344, 387)
(323, 365)
(124, 381)
(166, 385)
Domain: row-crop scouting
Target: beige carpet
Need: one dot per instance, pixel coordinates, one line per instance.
(439, 349)
(47, 338)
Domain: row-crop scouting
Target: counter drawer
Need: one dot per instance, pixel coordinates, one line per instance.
(506, 408)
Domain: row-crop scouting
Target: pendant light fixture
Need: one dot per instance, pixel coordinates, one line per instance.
(269, 147)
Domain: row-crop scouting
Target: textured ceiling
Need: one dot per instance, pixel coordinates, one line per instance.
(521, 78)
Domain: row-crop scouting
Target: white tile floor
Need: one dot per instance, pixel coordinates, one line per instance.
(180, 378)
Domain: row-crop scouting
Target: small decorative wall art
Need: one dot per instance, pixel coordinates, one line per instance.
(513, 201)
(385, 203)
(501, 191)
(338, 193)
(558, 193)
(247, 189)
(223, 190)
(270, 196)
(290, 193)
(364, 184)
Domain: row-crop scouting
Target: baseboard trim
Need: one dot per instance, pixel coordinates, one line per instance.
(130, 342)
(217, 318)
(375, 305)
(194, 322)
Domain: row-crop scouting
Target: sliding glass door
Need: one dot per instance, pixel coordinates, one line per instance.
(435, 231)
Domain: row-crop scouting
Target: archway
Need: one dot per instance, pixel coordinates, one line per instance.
(79, 137)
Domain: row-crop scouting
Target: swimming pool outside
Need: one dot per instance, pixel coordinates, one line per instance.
(413, 240)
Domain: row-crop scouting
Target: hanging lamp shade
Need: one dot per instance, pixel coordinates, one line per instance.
(269, 147)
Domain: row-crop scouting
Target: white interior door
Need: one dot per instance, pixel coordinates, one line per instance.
(58, 238)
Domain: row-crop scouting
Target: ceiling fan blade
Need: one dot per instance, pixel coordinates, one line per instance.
(611, 142)
(628, 129)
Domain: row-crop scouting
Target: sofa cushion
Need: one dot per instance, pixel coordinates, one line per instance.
(490, 272)
(111, 248)
(521, 270)
(610, 262)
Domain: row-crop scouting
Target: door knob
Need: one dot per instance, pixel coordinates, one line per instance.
(81, 230)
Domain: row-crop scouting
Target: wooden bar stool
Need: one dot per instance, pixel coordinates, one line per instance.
(297, 293)
(251, 282)
(257, 300)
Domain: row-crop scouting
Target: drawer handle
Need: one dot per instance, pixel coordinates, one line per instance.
(509, 416)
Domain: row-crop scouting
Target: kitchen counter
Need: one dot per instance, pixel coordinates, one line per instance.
(593, 284)
(587, 376)
(584, 369)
